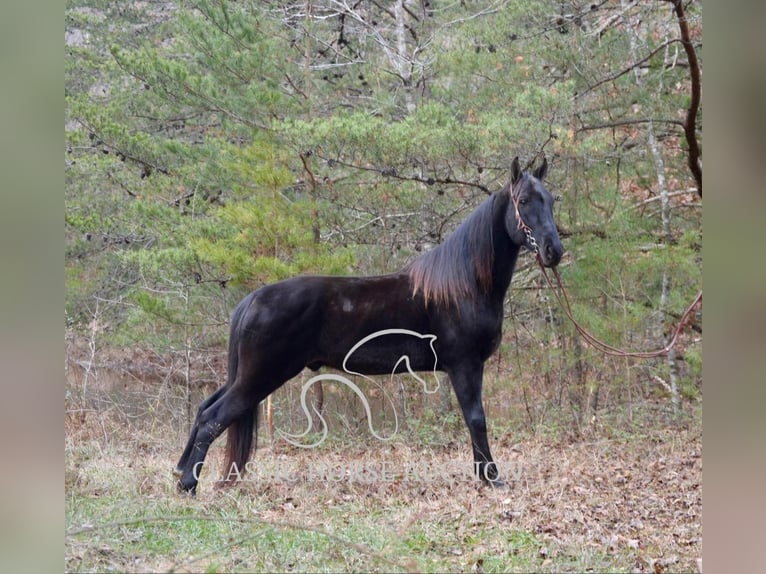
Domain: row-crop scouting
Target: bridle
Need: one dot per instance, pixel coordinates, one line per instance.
(563, 298)
(521, 224)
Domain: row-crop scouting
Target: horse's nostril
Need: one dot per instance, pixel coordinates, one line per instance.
(553, 253)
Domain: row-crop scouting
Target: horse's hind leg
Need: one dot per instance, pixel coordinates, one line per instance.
(195, 427)
(216, 418)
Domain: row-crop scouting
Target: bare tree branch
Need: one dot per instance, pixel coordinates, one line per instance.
(670, 194)
(391, 172)
(628, 69)
(620, 123)
(147, 165)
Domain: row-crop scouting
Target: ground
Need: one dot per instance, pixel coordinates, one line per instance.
(606, 500)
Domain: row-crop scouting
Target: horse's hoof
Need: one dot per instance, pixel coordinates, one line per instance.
(497, 484)
(181, 488)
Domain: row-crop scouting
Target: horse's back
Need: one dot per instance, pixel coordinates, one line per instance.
(317, 320)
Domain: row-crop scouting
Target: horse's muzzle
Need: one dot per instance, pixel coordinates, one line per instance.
(551, 253)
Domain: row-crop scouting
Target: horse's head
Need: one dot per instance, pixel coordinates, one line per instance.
(529, 219)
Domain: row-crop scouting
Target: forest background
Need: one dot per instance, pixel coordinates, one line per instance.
(213, 147)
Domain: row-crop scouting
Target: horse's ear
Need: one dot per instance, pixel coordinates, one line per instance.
(541, 171)
(515, 171)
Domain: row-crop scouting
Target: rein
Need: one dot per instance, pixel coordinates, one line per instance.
(600, 345)
(563, 298)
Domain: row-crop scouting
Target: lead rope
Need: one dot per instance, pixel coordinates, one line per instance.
(600, 345)
(564, 302)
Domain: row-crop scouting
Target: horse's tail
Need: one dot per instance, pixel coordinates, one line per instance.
(240, 434)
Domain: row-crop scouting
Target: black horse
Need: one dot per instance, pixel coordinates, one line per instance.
(455, 292)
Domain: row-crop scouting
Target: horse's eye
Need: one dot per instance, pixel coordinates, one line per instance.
(523, 201)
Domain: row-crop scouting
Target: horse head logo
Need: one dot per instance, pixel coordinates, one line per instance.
(295, 439)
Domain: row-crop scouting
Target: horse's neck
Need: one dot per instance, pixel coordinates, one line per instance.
(506, 252)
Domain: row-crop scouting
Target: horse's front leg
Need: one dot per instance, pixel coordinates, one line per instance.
(466, 380)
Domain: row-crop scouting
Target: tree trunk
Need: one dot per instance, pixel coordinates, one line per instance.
(659, 166)
(403, 65)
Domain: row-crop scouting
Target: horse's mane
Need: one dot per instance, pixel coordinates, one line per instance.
(462, 265)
